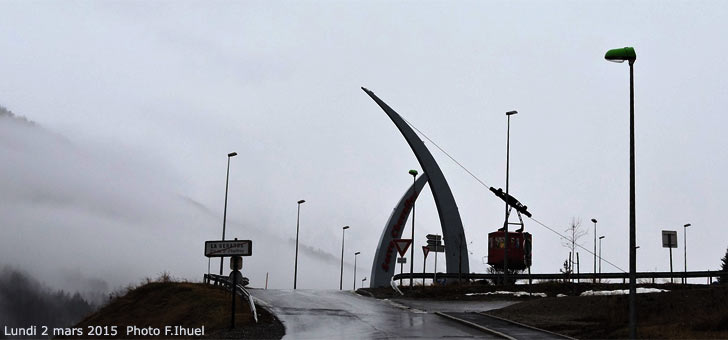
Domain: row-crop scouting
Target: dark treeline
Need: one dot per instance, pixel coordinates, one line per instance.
(25, 302)
(4, 112)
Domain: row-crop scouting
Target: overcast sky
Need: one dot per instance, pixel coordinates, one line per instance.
(138, 103)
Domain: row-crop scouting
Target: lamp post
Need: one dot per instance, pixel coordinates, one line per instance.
(620, 55)
(298, 219)
(355, 254)
(685, 248)
(505, 224)
(595, 250)
(600, 254)
(412, 251)
(224, 212)
(341, 276)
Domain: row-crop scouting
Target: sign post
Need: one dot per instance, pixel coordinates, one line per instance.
(669, 240)
(401, 261)
(236, 263)
(425, 251)
(402, 244)
(235, 250)
(434, 244)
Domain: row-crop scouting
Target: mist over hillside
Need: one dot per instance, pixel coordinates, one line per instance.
(24, 302)
(96, 215)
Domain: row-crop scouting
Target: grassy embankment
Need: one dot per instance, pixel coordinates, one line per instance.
(693, 313)
(185, 304)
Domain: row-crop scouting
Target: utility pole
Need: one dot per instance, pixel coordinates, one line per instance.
(505, 224)
(412, 251)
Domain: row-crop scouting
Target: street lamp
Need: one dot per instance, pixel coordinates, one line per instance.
(298, 219)
(620, 55)
(600, 253)
(412, 251)
(685, 255)
(355, 254)
(595, 250)
(341, 276)
(505, 224)
(224, 213)
(362, 281)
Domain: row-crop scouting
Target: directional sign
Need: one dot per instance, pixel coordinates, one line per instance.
(434, 241)
(401, 260)
(434, 237)
(425, 250)
(437, 249)
(402, 244)
(228, 248)
(669, 239)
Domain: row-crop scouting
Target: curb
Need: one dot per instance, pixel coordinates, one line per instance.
(474, 325)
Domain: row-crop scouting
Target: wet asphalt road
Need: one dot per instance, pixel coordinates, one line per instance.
(321, 314)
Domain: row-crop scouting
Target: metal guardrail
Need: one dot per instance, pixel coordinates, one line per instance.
(240, 289)
(709, 274)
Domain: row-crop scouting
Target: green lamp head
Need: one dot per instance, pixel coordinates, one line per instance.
(619, 55)
(413, 172)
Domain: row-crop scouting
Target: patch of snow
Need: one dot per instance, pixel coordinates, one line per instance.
(623, 291)
(502, 292)
(561, 295)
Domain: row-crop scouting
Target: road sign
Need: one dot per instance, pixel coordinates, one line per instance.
(437, 249)
(402, 244)
(434, 241)
(669, 239)
(425, 250)
(236, 263)
(228, 248)
(401, 260)
(434, 237)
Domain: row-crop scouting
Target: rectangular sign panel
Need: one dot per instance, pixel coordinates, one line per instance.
(228, 248)
(434, 237)
(437, 249)
(432, 243)
(669, 239)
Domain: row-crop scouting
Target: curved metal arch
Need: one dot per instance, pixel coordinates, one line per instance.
(383, 267)
(456, 247)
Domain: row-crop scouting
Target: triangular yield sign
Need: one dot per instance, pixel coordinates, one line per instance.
(402, 244)
(425, 250)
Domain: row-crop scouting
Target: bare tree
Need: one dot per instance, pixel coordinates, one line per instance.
(573, 234)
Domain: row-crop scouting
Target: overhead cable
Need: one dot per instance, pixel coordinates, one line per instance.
(488, 188)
